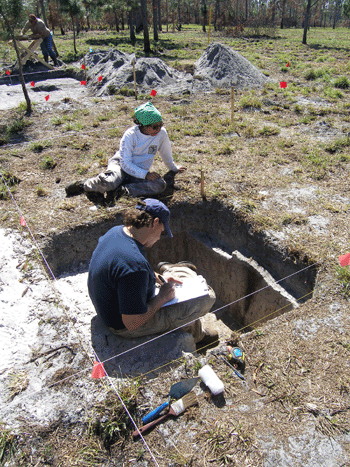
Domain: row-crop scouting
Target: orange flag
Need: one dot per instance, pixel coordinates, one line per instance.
(98, 370)
(344, 260)
(23, 221)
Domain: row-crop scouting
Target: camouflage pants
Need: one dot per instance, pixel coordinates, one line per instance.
(114, 176)
(176, 315)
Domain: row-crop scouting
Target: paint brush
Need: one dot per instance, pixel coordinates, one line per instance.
(175, 410)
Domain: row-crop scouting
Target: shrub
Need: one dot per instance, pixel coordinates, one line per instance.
(342, 82)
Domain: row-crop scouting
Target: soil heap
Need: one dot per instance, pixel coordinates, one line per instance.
(218, 67)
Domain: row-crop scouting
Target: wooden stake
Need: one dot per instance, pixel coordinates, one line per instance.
(134, 73)
(202, 184)
(84, 67)
(232, 104)
(209, 25)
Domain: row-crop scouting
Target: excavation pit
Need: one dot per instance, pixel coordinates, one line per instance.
(254, 281)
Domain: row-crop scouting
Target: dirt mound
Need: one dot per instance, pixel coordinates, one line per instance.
(224, 67)
(218, 67)
(116, 70)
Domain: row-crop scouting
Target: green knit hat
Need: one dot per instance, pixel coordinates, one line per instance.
(147, 114)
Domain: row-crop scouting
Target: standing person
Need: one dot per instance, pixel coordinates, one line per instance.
(122, 283)
(130, 165)
(39, 30)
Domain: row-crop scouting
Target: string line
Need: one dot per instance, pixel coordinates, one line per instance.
(168, 332)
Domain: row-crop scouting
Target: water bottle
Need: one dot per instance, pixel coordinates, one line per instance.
(90, 50)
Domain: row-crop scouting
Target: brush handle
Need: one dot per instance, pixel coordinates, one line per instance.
(152, 415)
(152, 424)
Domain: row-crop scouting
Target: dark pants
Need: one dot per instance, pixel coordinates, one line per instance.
(46, 48)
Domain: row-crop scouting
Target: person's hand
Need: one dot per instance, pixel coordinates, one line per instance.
(181, 169)
(152, 176)
(170, 278)
(167, 291)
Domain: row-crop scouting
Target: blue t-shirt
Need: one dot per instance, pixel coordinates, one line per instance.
(121, 280)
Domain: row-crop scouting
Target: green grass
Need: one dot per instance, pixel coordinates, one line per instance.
(343, 274)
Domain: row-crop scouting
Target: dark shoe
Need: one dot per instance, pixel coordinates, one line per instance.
(121, 191)
(211, 336)
(96, 197)
(76, 188)
(164, 266)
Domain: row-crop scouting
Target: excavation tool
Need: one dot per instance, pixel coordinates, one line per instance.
(232, 367)
(177, 390)
(175, 410)
(237, 356)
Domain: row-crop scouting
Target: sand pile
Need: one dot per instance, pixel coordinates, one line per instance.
(224, 67)
(218, 67)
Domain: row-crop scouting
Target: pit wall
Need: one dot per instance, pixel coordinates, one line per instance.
(215, 227)
(251, 292)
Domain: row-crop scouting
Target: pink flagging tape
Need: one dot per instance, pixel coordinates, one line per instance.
(98, 370)
(344, 260)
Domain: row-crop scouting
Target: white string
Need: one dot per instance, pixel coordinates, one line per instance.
(156, 337)
(111, 382)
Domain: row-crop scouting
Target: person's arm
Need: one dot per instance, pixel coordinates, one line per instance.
(166, 293)
(166, 154)
(126, 157)
(25, 28)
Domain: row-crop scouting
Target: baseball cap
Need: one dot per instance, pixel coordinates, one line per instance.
(157, 209)
(147, 114)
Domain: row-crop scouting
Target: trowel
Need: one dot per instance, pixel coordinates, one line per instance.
(177, 391)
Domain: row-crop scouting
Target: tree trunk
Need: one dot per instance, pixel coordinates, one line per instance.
(132, 28)
(146, 42)
(20, 72)
(159, 16)
(43, 12)
(155, 22)
(74, 44)
(306, 21)
(166, 15)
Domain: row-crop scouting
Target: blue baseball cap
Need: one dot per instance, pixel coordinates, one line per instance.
(157, 209)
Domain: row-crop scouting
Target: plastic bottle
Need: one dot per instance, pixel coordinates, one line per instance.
(90, 50)
(210, 379)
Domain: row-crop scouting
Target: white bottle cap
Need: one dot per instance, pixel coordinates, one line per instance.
(210, 379)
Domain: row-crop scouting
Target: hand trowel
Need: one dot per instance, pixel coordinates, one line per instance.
(177, 391)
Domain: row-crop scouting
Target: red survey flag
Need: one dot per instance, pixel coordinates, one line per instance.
(8, 72)
(288, 64)
(344, 260)
(82, 66)
(100, 78)
(83, 83)
(23, 221)
(153, 93)
(47, 98)
(32, 83)
(283, 84)
(98, 370)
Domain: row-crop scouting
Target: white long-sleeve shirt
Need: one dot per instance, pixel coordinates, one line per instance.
(137, 151)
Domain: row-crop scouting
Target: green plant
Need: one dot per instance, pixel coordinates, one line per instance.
(39, 146)
(17, 382)
(7, 444)
(250, 101)
(342, 82)
(40, 191)
(7, 182)
(269, 131)
(47, 163)
(17, 126)
(313, 74)
(343, 275)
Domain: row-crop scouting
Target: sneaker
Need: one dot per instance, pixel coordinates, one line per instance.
(164, 266)
(96, 197)
(211, 336)
(75, 188)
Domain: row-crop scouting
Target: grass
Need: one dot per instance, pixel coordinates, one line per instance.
(343, 274)
(17, 382)
(7, 444)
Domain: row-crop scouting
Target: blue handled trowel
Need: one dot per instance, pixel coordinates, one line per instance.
(177, 391)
